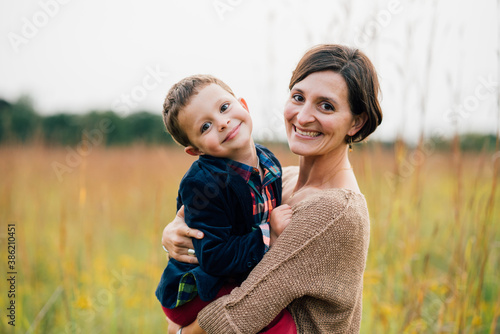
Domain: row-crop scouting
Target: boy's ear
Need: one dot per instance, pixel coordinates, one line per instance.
(244, 103)
(191, 150)
(358, 122)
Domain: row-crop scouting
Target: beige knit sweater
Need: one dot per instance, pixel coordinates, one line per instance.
(315, 267)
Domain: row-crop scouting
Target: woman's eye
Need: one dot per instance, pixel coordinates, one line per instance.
(327, 107)
(224, 107)
(298, 97)
(205, 127)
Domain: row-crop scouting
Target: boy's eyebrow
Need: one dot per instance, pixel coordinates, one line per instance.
(219, 101)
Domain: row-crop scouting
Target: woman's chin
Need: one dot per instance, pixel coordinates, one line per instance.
(300, 148)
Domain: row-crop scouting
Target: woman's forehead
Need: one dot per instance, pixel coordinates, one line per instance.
(327, 83)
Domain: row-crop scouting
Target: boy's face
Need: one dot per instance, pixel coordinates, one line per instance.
(217, 124)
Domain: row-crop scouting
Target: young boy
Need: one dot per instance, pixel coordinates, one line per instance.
(228, 193)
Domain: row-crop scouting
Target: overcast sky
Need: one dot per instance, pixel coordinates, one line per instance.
(437, 60)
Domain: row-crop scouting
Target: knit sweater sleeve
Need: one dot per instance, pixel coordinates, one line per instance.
(320, 257)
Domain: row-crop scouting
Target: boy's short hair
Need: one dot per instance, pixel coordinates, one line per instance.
(179, 96)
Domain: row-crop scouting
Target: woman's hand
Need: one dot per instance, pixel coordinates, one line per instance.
(172, 327)
(177, 240)
(280, 218)
(193, 328)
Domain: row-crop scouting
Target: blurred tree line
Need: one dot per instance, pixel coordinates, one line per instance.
(20, 123)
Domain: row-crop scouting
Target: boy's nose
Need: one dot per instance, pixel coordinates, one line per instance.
(224, 123)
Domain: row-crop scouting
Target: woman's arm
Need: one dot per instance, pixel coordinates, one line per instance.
(177, 238)
(320, 256)
(177, 235)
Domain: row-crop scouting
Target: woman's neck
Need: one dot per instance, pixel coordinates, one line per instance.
(321, 171)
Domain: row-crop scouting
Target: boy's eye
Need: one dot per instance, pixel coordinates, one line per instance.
(205, 127)
(224, 107)
(298, 97)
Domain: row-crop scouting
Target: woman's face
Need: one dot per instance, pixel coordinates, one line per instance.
(318, 116)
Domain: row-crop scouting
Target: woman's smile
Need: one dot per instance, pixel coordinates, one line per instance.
(306, 134)
(318, 115)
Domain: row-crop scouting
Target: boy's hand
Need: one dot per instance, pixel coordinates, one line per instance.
(177, 240)
(280, 218)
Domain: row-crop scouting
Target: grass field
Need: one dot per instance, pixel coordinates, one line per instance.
(88, 252)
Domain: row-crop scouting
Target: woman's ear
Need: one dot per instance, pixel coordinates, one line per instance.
(244, 103)
(191, 150)
(358, 122)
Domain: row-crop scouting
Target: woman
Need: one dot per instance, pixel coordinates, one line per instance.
(316, 265)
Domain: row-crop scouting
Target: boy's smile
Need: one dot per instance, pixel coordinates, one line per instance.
(232, 133)
(218, 124)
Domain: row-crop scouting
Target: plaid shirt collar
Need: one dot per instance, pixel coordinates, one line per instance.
(270, 169)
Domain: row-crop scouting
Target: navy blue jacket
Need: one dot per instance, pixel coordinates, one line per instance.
(217, 201)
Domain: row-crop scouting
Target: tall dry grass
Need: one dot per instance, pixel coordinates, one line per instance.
(89, 254)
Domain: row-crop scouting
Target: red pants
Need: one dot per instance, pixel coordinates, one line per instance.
(187, 313)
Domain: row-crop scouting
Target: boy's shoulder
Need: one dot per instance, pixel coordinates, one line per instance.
(206, 168)
(209, 168)
(205, 183)
(264, 149)
(269, 155)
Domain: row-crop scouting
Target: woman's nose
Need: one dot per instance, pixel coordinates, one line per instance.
(305, 114)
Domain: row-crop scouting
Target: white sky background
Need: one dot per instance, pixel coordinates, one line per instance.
(86, 55)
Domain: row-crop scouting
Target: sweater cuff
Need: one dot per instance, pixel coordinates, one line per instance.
(212, 320)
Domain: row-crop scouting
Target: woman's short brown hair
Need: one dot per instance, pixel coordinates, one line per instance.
(358, 73)
(179, 97)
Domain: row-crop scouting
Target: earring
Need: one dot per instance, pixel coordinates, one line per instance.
(350, 144)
